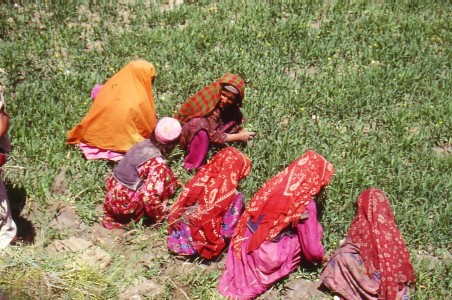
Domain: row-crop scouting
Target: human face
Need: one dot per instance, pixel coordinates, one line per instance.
(227, 98)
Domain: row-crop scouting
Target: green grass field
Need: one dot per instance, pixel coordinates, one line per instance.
(367, 86)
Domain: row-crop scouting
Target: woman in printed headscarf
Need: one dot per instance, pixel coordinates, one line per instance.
(142, 183)
(122, 114)
(278, 230)
(212, 115)
(202, 219)
(373, 262)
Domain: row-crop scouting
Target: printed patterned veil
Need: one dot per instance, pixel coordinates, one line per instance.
(282, 200)
(211, 192)
(381, 245)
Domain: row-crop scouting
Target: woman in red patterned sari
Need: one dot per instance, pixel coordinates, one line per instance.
(373, 262)
(278, 229)
(212, 115)
(202, 219)
(142, 183)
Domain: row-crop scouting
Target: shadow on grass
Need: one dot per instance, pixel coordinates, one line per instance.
(26, 232)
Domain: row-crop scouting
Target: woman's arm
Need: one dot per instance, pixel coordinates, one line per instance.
(241, 136)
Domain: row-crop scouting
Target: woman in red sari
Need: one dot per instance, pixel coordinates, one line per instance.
(373, 262)
(202, 219)
(142, 183)
(212, 115)
(278, 229)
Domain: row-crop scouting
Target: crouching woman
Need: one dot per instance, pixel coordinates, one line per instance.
(142, 183)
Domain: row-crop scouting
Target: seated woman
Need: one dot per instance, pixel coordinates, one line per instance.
(212, 115)
(142, 183)
(202, 219)
(373, 262)
(278, 229)
(122, 114)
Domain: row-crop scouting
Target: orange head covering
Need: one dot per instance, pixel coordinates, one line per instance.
(123, 113)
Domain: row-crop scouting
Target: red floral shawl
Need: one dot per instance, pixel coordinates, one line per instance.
(381, 245)
(283, 199)
(212, 189)
(204, 101)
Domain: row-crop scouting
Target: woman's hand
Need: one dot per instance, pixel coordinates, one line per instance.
(242, 136)
(246, 135)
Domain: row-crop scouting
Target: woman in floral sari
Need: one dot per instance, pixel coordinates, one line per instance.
(212, 115)
(202, 219)
(373, 262)
(142, 183)
(278, 229)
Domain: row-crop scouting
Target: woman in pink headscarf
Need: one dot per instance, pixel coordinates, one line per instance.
(142, 183)
(373, 262)
(278, 229)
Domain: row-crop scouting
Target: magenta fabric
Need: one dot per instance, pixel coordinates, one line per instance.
(181, 241)
(257, 271)
(197, 154)
(310, 233)
(92, 153)
(96, 89)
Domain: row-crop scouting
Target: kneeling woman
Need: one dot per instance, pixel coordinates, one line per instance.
(373, 262)
(142, 183)
(202, 219)
(278, 229)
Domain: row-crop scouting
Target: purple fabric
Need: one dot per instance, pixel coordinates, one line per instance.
(232, 216)
(181, 241)
(257, 271)
(345, 275)
(197, 154)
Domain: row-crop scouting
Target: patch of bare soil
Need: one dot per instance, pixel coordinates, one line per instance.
(143, 254)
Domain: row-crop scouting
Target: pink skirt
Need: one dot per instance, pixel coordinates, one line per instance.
(252, 275)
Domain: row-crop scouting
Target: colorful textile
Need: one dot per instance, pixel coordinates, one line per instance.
(253, 273)
(209, 194)
(283, 199)
(199, 149)
(180, 240)
(217, 125)
(380, 243)
(347, 277)
(205, 100)
(123, 205)
(123, 112)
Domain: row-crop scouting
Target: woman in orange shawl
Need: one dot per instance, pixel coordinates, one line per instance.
(212, 115)
(122, 114)
(202, 219)
(278, 229)
(373, 262)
